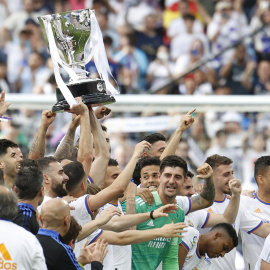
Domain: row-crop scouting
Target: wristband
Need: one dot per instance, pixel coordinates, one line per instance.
(151, 215)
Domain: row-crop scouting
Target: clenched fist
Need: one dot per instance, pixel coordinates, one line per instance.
(204, 171)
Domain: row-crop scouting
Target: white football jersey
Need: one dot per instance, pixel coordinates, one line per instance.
(265, 254)
(120, 256)
(184, 202)
(197, 219)
(194, 260)
(19, 249)
(244, 221)
(82, 214)
(253, 244)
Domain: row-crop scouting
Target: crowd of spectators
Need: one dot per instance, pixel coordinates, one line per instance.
(143, 51)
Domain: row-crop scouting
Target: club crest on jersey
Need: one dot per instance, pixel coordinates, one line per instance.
(190, 223)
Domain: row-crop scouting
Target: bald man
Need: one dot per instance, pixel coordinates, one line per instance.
(55, 217)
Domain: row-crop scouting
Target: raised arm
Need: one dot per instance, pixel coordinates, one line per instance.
(246, 82)
(185, 123)
(102, 154)
(124, 222)
(117, 188)
(64, 150)
(226, 69)
(37, 149)
(231, 211)
(207, 196)
(3, 105)
(134, 237)
(130, 195)
(85, 151)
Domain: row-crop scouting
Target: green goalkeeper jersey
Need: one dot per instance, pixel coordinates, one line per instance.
(148, 255)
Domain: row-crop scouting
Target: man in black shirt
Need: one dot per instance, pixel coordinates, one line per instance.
(55, 217)
(29, 189)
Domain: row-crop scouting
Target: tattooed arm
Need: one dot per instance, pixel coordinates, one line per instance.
(37, 149)
(65, 148)
(130, 194)
(207, 196)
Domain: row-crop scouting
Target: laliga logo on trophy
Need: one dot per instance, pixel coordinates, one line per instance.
(73, 38)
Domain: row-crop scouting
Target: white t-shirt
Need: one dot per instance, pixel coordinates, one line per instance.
(161, 72)
(136, 15)
(181, 44)
(244, 221)
(19, 249)
(194, 260)
(120, 257)
(265, 254)
(253, 244)
(82, 214)
(178, 26)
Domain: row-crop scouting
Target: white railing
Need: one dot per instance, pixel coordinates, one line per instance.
(157, 103)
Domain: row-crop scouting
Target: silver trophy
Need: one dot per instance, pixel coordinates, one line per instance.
(73, 38)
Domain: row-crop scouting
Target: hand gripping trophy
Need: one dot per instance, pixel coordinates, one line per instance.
(73, 38)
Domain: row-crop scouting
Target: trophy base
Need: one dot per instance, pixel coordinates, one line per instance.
(91, 91)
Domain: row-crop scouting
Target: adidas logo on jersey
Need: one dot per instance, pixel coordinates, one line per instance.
(5, 259)
(210, 210)
(150, 223)
(258, 210)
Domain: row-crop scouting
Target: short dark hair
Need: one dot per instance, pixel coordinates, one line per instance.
(229, 229)
(143, 162)
(5, 144)
(8, 203)
(28, 180)
(76, 174)
(152, 138)
(189, 17)
(261, 164)
(112, 162)
(173, 161)
(45, 162)
(216, 160)
(73, 231)
(149, 161)
(190, 174)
